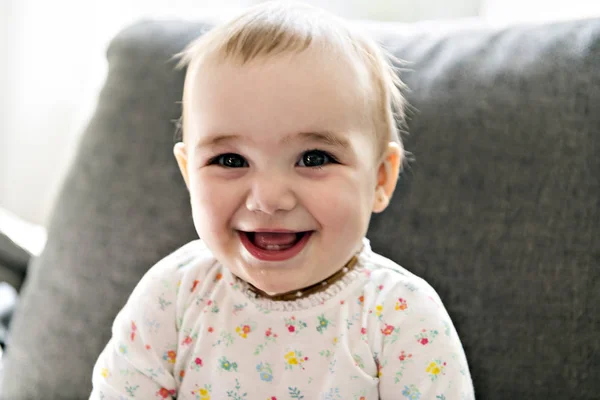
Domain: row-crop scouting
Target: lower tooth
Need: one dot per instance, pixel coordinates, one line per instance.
(276, 247)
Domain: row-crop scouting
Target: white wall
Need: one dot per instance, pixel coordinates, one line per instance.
(7, 26)
(539, 10)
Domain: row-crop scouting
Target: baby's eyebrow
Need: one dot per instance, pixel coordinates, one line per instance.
(216, 139)
(326, 137)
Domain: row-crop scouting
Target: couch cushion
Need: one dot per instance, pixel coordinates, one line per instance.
(499, 212)
(13, 261)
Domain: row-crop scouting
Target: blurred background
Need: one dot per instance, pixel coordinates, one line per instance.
(52, 66)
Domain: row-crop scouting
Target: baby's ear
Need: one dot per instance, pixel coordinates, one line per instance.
(387, 177)
(180, 152)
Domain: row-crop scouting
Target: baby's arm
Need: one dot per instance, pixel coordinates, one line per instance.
(138, 360)
(422, 356)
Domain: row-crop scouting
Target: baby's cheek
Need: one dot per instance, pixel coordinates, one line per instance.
(208, 207)
(346, 214)
(210, 193)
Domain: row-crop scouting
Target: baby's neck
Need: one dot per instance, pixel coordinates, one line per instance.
(309, 290)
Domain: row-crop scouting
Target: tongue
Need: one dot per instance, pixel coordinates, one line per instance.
(265, 239)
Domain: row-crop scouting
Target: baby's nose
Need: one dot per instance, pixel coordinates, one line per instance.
(270, 194)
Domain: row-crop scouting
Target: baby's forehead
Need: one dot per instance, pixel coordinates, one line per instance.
(325, 63)
(313, 75)
(302, 91)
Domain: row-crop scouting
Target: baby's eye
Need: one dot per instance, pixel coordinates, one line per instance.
(315, 158)
(229, 160)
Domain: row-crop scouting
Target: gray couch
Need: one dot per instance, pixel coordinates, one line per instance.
(499, 211)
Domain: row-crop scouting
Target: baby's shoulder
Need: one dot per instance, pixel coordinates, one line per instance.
(192, 262)
(392, 287)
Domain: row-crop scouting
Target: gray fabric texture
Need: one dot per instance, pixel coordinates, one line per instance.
(13, 262)
(499, 212)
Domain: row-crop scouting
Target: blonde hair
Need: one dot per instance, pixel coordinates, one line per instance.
(276, 27)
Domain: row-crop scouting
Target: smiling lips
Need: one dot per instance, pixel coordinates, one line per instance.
(274, 246)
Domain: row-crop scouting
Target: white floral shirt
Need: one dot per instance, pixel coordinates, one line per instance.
(191, 330)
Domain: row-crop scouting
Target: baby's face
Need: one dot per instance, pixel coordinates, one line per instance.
(281, 163)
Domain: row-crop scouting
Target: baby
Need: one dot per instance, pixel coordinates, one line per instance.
(290, 143)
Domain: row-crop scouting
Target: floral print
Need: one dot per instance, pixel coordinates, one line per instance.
(294, 326)
(294, 359)
(270, 337)
(227, 365)
(390, 333)
(163, 393)
(322, 323)
(189, 330)
(265, 371)
(236, 394)
(170, 356)
(401, 304)
(189, 338)
(411, 392)
(202, 393)
(295, 393)
(435, 368)
(196, 364)
(404, 360)
(244, 329)
(426, 337)
(225, 338)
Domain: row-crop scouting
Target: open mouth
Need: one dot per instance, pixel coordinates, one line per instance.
(274, 246)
